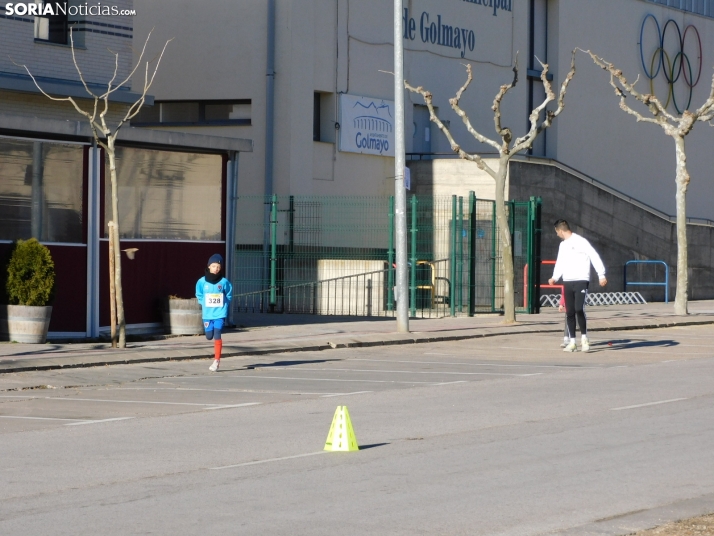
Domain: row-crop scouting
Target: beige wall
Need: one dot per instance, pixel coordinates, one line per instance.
(597, 138)
(330, 46)
(333, 46)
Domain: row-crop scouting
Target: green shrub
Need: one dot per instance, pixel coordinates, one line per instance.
(30, 274)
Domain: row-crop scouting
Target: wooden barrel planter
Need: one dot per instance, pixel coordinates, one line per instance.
(183, 317)
(25, 323)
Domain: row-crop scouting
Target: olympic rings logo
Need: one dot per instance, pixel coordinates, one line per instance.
(676, 67)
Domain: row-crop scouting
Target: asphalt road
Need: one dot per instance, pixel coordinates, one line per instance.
(505, 435)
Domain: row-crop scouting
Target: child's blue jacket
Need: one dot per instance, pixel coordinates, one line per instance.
(203, 288)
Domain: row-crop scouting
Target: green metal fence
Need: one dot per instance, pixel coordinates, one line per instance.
(336, 255)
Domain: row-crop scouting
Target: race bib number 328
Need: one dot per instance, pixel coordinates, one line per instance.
(214, 300)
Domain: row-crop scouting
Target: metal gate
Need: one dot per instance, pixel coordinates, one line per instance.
(335, 255)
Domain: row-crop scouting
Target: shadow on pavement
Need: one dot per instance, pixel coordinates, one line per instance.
(625, 344)
(365, 447)
(288, 363)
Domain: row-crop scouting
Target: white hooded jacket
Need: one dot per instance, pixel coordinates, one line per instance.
(574, 257)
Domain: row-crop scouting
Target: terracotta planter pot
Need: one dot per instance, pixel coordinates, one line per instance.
(25, 323)
(183, 317)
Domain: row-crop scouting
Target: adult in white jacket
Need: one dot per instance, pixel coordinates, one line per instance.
(575, 255)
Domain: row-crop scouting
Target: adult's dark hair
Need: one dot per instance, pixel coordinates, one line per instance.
(562, 225)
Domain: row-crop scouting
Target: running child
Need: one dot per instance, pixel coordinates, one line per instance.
(214, 292)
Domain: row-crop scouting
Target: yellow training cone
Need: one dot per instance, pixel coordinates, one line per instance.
(341, 436)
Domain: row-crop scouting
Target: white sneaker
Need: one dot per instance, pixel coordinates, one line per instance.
(585, 345)
(570, 347)
(564, 344)
(214, 367)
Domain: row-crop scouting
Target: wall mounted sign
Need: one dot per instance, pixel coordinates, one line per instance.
(366, 125)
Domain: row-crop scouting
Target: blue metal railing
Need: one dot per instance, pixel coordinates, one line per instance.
(649, 283)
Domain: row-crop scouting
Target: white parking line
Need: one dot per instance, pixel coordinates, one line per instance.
(204, 406)
(98, 421)
(75, 422)
(411, 372)
(37, 418)
(649, 404)
(129, 401)
(267, 461)
(345, 394)
(234, 406)
(261, 377)
(639, 350)
(471, 364)
(260, 391)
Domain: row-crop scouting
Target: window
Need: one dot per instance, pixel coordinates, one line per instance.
(41, 191)
(316, 117)
(323, 117)
(167, 195)
(195, 113)
(52, 25)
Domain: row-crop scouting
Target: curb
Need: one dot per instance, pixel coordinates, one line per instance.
(334, 346)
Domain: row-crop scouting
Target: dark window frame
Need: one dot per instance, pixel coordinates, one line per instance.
(58, 30)
(201, 114)
(316, 116)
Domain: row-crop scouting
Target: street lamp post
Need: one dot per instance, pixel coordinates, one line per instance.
(400, 195)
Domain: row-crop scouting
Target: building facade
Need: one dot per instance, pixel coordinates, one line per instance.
(174, 189)
(330, 53)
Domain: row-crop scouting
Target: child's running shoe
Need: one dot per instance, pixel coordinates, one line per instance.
(214, 367)
(570, 347)
(585, 345)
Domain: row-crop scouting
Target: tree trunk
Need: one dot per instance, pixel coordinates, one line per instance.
(112, 290)
(504, 233)
(680, 301)
(117, 250)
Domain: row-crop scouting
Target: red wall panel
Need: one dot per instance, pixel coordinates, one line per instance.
(158, 270)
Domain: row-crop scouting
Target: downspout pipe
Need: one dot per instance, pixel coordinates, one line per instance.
(269, 134)
(530, 63)
(270, 101)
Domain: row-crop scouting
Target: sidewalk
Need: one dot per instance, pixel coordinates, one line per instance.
(272, 334)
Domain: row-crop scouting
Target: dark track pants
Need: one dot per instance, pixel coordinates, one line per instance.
(575, 294)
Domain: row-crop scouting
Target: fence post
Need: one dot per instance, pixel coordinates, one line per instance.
(472, 254)
(413, 260)
(291, 225)
(530, 255)
(390, 258)
(494, 236)
(537, 257)
(460, 266)
(273, 247)
(452, 263)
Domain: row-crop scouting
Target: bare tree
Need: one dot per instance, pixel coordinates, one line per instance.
(106, 134)
(506, 148)
(677, 127)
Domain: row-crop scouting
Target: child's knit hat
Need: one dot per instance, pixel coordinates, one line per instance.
(215, 258)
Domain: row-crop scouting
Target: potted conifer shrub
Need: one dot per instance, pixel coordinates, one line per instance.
(29, 288)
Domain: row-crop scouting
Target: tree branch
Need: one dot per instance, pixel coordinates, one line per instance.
(653, 104)
(454, 102)
(76, 65)
(526, 141)
(135, 108)
(454, 146)
(505, 133)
